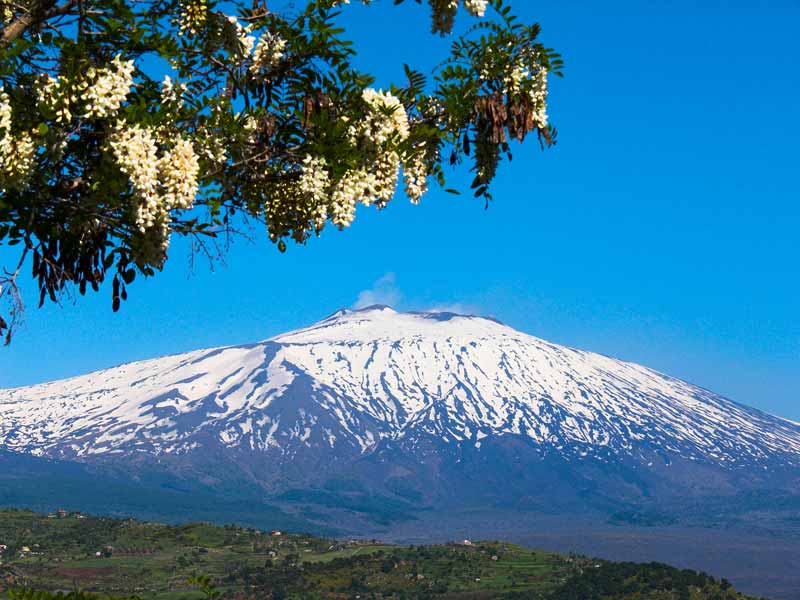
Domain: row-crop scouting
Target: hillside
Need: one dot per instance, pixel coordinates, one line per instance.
(155, 561)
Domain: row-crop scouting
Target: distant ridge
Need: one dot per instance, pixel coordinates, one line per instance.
(375, 374)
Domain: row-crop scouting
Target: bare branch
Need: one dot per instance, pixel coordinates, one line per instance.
(10, 293)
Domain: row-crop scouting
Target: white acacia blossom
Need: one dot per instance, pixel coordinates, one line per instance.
(314, 179)
(268, 53)
(343, 199)
(310, 194)
(210, 145)
(16, 151)
(520, 80)
(171, 92)
(194, 14)
(246, 41)
(53, 95)
(538, 94)
(383, 126)
(135, 151)
(314, 183)
(160, 184)
(415, 176)
(373, 185)
(105, 89)
(476, 8)
(179, 169)
(386, 118)
(383, 182)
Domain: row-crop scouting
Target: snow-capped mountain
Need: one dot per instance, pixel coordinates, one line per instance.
(405, 410)
(361, 377)
(412, 427)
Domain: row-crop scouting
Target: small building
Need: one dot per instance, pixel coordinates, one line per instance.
(275, 533)
(3, 548)
(467, 542)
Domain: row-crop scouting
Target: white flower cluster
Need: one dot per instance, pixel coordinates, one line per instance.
(375, 184)
(538, 95)
(211, 145)
(520, 80)
(268, 53)
(194, 14)
(16, 151)
(53, 94)
(105, 89)
(250, 128)
(171, 93)
(386, 118)
(246, 41)
(265, 52)
(135, 151)
(179, 169)
(415, 175)
(8, 11)
(317, 196)
(343, 198)
(160, 184)
(476, 8)
(529, 78)
(313, 185)
(385, 124)
(360, 185)
(513, 80)
(383, 127)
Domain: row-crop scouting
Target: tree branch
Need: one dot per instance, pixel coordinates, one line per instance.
(40, 11)
(9, 291)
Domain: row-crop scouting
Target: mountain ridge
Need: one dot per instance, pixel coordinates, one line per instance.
(408, 426)
(461, 377)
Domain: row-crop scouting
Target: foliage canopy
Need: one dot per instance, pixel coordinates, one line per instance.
(123, 122)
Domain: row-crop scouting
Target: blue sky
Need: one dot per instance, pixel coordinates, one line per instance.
(662, 229)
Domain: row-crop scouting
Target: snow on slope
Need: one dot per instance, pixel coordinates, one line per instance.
(358, 377)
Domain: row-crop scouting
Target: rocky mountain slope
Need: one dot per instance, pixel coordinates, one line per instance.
(431, 409)
(359, 378)
(419, 427)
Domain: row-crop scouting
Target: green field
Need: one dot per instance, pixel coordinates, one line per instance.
(69, 551)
